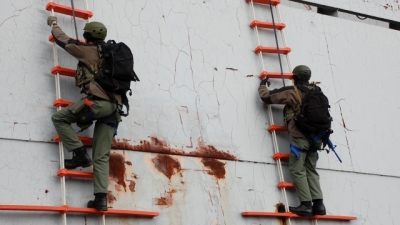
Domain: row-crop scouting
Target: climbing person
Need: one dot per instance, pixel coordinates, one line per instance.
(303, 152)
(96, 106)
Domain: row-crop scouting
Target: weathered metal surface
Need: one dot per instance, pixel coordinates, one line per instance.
(384, 9)
(195, 146)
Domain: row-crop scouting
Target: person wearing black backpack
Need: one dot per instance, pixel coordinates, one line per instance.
(96, 106)
(303, 155)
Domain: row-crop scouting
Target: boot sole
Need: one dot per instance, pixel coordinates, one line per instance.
(83, 166)
(320, 213)
(90, 205)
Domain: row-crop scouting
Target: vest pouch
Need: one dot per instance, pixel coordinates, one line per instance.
(76, 107)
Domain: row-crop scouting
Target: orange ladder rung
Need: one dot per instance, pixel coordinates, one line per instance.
(273, 2)
(65, 103)
(266, 49)
(281, 156)
(73, 173)
(67, 10)
(51, 39)
(274, 127)
(277, 75)
(88, 141)
(284, 184)
(63, 71)
(61, 102)
(289, 215)
(268, 25)
(67, 209)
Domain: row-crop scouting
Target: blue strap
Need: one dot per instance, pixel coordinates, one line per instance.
(296, 151)
(91, 116)
(113, 125)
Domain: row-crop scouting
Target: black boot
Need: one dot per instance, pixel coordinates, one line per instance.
(318, 207)
(99, 202)
(80, 158)
(305, 209)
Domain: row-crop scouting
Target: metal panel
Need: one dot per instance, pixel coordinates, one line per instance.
(387, 10)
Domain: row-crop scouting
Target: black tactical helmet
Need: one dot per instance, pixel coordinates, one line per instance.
(301, 72)
(97, 30)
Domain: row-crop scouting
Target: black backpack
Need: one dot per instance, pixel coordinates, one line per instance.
(314, 117)
(116, 71)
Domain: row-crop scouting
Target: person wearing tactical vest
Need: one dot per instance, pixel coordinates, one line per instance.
(96, 106)
(302, 158)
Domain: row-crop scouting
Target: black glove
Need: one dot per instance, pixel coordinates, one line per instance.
(265, 81)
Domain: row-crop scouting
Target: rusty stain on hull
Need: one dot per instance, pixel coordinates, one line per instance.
(166, 199)
(117, 168)
(132, 185)
(280, 207)
(216, 168)
(156, 145)
(167, 165)
(110, 197)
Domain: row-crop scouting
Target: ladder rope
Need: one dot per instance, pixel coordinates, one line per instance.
(271, 119)
(73, 15)
(277, 43)
(60, 145)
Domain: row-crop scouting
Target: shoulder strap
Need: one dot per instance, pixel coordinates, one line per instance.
(296, 89)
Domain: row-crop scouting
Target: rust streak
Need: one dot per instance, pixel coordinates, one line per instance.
(110, 197)
(132, 186)
(166, 199)
(167, 165)
(217, 168)
(117, 168)
(158, 146)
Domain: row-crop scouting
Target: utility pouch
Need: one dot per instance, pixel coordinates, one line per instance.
(76, 107)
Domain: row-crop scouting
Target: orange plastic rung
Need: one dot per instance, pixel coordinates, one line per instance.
(277, 75)
(51, 39)
(61, 102)
(67, 209)
(265, 49)
(88, 141)
(289, 215)
(32, 208)
(74, 173)
(88, 102)
(273, 2)
(274, 127)
(284, 184)
(63, 71)
(268, 25)
(282, 156)
(67, 10)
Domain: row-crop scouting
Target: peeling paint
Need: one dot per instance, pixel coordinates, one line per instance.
(156, 145)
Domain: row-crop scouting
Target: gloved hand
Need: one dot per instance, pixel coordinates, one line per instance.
(51, 20)
(265, 81)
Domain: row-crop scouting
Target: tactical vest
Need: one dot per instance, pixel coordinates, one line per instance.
(84, 76)
(289, 113)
